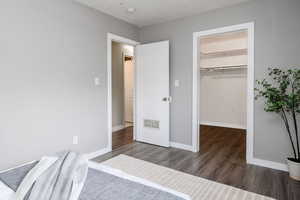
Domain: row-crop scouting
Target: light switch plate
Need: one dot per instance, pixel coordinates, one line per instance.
(97, 81)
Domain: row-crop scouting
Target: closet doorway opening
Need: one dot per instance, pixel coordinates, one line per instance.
(122, 94)
(223, 93)
(121, 87)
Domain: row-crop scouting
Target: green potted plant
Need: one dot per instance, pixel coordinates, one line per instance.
(281, 94)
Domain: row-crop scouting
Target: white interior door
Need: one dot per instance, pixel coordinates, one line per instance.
(152, 93)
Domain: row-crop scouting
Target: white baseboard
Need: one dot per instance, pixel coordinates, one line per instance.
(97, 153)
(181, 146)
(253, 161)
(118, 127)
(88, 156)
(21, 165)
(220, 124)
(268, 164)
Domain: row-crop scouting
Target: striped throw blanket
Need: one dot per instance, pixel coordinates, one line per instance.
(54, 178)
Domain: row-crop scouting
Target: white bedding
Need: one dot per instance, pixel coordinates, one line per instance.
(6, 193)
(33, 175)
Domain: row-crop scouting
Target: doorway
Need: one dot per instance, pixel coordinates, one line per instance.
(122, 94)
(223, 94)
(151, 100)
(121, 87)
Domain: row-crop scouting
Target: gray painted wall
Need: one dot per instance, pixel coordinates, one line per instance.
(117, 84)
(277, 43)
(50, 52)
(52, 49)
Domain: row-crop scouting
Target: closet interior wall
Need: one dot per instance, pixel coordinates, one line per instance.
(223, 80)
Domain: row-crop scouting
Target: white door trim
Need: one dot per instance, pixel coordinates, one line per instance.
(116, 38)
(250, 88)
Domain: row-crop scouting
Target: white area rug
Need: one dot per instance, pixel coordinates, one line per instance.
(197, 188)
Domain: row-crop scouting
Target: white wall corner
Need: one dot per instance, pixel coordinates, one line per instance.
(268, 164)
(181, 146)
(95, 154)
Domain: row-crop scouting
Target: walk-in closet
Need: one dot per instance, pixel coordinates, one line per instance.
(223, 91)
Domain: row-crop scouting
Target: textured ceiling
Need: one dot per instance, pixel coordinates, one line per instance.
(148, 12)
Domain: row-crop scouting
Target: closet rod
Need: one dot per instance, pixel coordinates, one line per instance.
(223, 68)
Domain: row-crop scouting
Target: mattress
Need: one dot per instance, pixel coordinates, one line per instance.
(102, 183)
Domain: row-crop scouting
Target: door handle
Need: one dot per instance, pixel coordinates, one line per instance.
(167, 99)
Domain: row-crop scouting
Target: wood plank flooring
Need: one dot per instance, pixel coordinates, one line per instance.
(221, 159)
(122, 137)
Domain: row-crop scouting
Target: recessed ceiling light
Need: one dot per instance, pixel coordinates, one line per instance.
(131, 10)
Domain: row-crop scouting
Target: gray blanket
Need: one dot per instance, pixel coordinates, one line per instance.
(100, 186)
(58, 181)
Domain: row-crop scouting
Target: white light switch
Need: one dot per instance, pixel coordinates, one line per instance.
(176, 83)
(100, 80)
(97, 81)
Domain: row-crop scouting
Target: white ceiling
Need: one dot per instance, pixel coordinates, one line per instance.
(150, 12)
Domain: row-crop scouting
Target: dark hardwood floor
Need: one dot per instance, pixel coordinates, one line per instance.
(122, 137)
(221, 158)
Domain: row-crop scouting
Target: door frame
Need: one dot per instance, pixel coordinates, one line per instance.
(116, 38)
(250, 85)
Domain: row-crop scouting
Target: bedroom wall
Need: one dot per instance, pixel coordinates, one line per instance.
(50, 53)
(277, 43)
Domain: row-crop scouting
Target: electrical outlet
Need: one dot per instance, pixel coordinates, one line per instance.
(177, 83)
(75, 140)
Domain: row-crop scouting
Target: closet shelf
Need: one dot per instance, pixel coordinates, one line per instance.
(223, 68)
(227, 53)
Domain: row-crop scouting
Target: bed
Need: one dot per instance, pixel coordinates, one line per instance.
(102, 183)
(124, 177)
